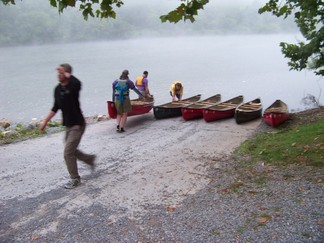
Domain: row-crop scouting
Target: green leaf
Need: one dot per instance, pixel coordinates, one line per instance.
(297, 15)
(283, 10)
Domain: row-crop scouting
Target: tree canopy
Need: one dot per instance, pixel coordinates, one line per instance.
(36, 22)
(187, 10)
(309, 17)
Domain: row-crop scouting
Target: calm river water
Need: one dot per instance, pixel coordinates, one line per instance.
(251, 65)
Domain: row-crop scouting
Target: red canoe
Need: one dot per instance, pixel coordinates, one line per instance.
(222, 110)
(195, 110)
(139, 107)
(276, 114)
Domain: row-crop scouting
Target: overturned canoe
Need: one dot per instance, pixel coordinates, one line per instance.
(139, 107)
(248, 111)
(276, 114)
(222, 110)
(173, 109)
(195, 110)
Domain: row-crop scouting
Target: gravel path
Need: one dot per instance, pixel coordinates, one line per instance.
(161, 181)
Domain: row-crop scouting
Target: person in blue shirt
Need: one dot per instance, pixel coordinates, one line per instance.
(121, 98)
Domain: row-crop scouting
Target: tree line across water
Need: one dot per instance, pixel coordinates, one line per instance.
(35, 22)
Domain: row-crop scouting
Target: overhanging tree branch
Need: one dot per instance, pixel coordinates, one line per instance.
(309, 17)
(187, 10)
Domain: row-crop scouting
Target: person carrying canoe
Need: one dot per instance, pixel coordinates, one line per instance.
(142, 84)
(121, 88)
(176, 90)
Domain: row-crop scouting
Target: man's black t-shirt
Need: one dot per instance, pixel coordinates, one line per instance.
(66, 98)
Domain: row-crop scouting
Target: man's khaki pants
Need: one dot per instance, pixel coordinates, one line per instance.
(71, 153)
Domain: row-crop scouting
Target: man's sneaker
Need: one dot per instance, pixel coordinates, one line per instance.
(122, 130)
(117, 128)
(72, 183)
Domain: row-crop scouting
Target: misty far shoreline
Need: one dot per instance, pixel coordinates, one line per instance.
(36, 23)
(197, 36)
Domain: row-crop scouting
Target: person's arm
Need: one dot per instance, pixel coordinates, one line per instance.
(53, 111)
(46, 120)
(113, 92)
(147, 91)
(181, 93)
(137, 92)
(132, 86)
(173, 95)
(172, 92)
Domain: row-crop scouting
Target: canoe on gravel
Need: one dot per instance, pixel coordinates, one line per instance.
(139, 107)
(276, 114)
(195, 110)
(222, 110)
(248, 111)
(173, 109)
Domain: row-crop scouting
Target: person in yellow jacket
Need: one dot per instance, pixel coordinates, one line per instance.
(176, 90)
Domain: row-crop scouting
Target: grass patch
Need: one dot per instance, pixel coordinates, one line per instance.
(21, 132)
(303, 144)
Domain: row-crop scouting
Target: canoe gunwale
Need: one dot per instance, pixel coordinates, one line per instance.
(227, 105)
(213, 100)
(180, 104)
(277, 107)
(173, 109)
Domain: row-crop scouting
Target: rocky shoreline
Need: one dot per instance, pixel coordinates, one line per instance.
(298, 117)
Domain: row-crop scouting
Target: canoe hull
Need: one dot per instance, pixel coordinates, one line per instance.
(137, 109)
(276, 114)
(191, 114)
(275, 119)
(222, 110)
(173, 109)
(161, 113)
(241, 117)
(195, 111)
(248, 111)
(213, 115)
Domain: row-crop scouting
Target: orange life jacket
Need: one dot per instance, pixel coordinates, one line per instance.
(139, 81)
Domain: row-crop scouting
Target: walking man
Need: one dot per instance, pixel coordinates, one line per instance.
(66, 98)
